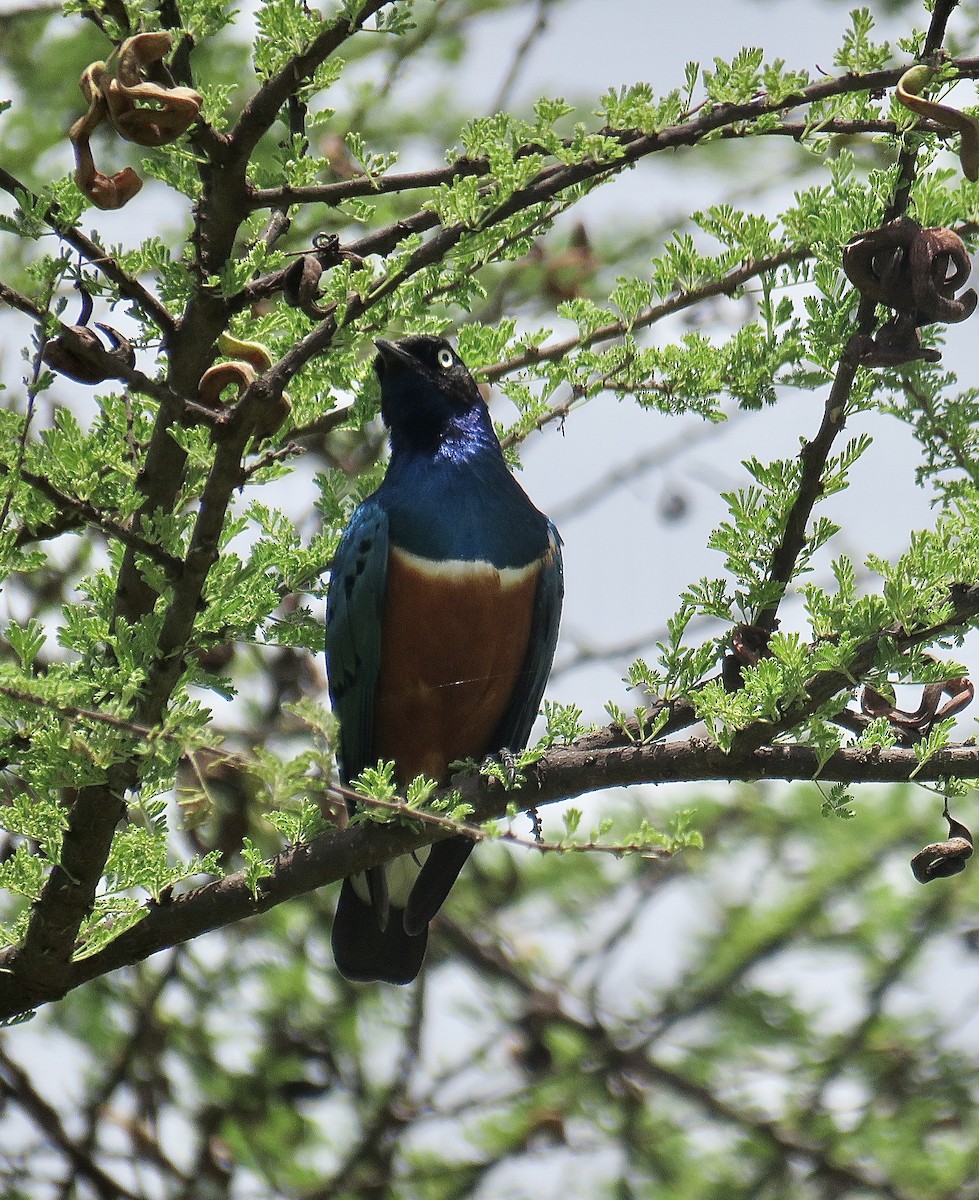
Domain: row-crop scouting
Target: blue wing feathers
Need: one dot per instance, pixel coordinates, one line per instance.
(353, 632)
(518, 720)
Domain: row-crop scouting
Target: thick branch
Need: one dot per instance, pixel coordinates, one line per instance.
(612, 758)
(262, 109)
(598, 761)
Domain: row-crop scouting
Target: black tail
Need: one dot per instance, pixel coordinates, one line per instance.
(364, 952)
(440, 871)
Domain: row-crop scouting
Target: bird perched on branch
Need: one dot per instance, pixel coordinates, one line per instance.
(442, 620)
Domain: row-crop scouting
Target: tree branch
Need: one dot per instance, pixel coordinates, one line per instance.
(263, 107)
(96, 256)
(597, 761)
(76, 512)
(815, 453)
(726, 285)
(613, 757)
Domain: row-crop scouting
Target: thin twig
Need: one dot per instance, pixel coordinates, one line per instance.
(535, 31)
(725, 285)
(16, 1084)
(82, 512)
(93, 253)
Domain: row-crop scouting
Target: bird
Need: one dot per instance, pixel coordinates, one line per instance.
(442, 619)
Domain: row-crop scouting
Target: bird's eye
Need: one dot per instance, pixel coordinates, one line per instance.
(444, 358)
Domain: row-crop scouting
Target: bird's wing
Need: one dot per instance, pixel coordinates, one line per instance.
(518, 719)
(354, 617)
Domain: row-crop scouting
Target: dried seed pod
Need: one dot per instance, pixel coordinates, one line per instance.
(215, 379)
(250, 359)
(141, 111)
(928, 712)
(916, 272)
(895, 343)
(273, 417)
(876, 263)
(300, 285)
(104, 191)
(933, 252)
(140, 51)
(150, 115)
(939, 860)
(84, 362)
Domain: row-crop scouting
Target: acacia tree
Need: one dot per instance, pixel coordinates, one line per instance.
(164, 626)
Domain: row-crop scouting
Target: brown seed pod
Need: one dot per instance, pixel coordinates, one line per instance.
(84, 362)
(939, 860)
(141, 111)
(104, 191)
(240, 374)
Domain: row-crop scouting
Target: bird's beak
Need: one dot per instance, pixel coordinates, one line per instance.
(391, 351)
(390, 357)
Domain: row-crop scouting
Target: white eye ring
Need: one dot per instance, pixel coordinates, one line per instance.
(444, 358)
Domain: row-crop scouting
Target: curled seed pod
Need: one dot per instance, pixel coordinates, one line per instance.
(140, 51)
(273, 417)
(90, 83)
(895, 343)
(876, 263)
(916, 272)
(104, 191)
(939, 860)
(933, 254)
(84, 361)
(250, 359)
(253, 353)
(920, 722)
(300, 285)
(150, 115)
(141, 111)
(328, 246)
(222, 375)
(909, 87)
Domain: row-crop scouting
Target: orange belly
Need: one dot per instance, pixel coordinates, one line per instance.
(452, 651)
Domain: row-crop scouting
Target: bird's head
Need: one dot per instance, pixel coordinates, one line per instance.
(425, 388)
